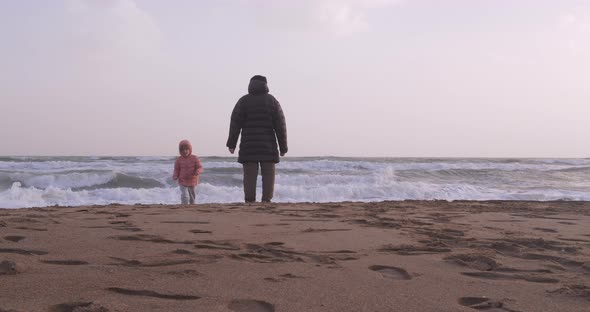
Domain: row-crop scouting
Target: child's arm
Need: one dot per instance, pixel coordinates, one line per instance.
(176, 170)
(198, 166)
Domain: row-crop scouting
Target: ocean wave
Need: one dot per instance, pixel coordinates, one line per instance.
(48, 165)
(61, 180)
(332, 189)
(584, 170)
(78, 180)
(309, 164)
(423, 165)
(121, 180)
(18, 196)
(30, 159)
(129, 180)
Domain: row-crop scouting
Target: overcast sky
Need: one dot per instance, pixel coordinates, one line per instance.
(416, 78)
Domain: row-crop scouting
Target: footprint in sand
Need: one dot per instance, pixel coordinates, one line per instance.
(128, 229)
(276, 252)
(282, 277)
(209, 244)
(545, 230)
(31, 229)
(23, 220)
(483, 303)
(391, 272)
(507, 221)
(118, 228)
(497, 276)
(577, 240)
(148, 238)
(149, 293)
(120, 222)
(14, 238)
(246, 305)
(573, 290)
(406, 250)
(265, 224)
(185, 273)
(182, 252)
(23, 251)
(572, 264)
(312, 230)
(8, 268)
(200, 231)
(77, 306)
(137, 263)
(64, 262)
(475, 261)
(186, 222)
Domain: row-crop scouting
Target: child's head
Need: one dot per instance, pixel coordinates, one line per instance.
(185, 148)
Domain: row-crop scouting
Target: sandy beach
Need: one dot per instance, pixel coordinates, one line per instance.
(381, 256)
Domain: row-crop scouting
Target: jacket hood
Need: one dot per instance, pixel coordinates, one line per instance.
(257, 87)
(185, 143)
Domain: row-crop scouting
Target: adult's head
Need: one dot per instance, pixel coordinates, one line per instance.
(258, 85)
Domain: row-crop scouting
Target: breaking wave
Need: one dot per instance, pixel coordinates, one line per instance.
(69, 181)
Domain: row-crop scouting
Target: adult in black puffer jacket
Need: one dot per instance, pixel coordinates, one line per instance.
(260, 119)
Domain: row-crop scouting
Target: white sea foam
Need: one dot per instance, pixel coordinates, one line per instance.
(20, 197)
(31, 182)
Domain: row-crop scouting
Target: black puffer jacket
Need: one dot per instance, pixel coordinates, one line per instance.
(259, 117)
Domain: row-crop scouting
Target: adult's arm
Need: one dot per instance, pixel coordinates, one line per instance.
(235, 126)
(280, 126)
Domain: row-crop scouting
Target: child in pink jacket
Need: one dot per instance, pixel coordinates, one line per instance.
(187, 168)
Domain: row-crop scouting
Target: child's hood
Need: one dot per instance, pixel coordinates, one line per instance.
(187, 144)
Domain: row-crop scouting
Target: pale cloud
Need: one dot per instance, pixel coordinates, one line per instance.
(576, 31)
(347, 17)
(339, 17)
(112, 33)
(567, 20)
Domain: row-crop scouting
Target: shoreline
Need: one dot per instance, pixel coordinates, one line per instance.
(341, 256)
(414, 201)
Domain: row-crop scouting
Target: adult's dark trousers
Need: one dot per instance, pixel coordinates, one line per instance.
(250, 177)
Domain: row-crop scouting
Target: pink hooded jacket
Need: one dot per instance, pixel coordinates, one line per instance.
(187, 169)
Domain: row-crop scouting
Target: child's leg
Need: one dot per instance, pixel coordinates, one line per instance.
(191, 194)
(184, 194)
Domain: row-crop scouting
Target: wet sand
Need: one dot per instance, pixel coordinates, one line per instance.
(381, 256)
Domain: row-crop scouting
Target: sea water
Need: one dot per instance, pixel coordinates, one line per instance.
(72, 181)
